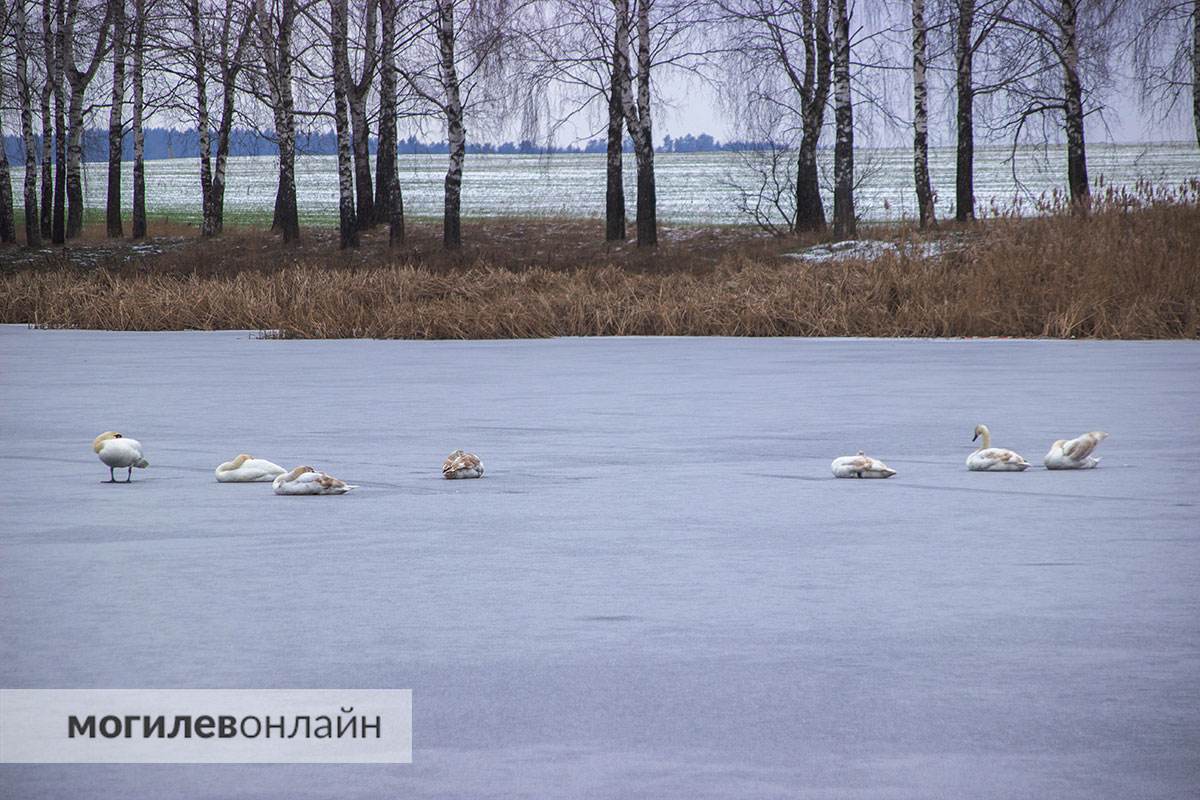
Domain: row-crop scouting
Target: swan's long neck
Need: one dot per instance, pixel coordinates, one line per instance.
(986, 436)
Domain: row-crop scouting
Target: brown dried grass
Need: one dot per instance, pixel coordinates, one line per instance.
(1116, 274)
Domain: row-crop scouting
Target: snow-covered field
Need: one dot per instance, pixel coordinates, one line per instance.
(657, 591)
(692, 187)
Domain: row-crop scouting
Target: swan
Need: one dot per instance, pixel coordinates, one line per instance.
(462, 465)
(247, 469)
(993, 459)
(860, 466)
(1075, 453)
(306, 480)
(116, 451)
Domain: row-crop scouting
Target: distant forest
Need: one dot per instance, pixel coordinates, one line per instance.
(171, 143)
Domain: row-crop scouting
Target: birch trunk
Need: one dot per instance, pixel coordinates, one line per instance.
(33, 232)
(356, 94)
(78, 80)
(964, 51)
(200, 77)
(455, 129)
(347, 227)
(843, 150)
(921, 117)
(639, 122)
(614, 195)
(139, 111)
(1077, 178)
(810, 210)
(47, 179)
(389, 203)
(59, 226)
(276, 49)
(214, 217)
(116, 125)
(8, 231)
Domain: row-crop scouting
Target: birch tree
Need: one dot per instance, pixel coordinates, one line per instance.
(8, 232)
(33, 231)
(1061, 54)
(1165, 51)
(116, 125)
(778, 61)
(275, 44)
(78, 80)
(56, 68)
(137, 80)
(638, 118)
(358, 88)
(844, 223)
(347, 225)
(921, 115)
(389, 201)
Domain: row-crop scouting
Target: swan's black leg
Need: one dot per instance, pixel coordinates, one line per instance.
(111, 477)
(129, 476)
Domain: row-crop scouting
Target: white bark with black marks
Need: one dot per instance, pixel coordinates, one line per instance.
(47, 160)
(137, 79)
(8, 231)
(357, 91)
(347, 226)
(638, 117)
(275, 44)
(230, 63)
(844, 223)
(116, 124)
(455, 128)
(33, 231)
(964, 53)
(921, 116)
(1077, 178)
(78, 80)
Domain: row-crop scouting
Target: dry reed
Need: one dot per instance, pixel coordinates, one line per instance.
(1116, 274)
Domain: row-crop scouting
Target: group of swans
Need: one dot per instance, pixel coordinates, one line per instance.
(1064, 454)
(119, 451)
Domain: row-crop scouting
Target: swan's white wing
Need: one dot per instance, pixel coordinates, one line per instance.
(1082, 447)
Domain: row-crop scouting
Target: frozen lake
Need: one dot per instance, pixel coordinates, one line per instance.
(693, 188)
(657, 591)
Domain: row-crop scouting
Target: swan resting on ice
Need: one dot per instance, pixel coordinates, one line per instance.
(1075, 453)
(248, 469)
(993, 459)
(306, 480)
(119, 451)
(462, 465)
(860, 466)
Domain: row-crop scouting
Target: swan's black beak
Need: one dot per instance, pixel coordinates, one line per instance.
(976, 436)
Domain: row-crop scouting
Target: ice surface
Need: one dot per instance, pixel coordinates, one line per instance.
(657, 591)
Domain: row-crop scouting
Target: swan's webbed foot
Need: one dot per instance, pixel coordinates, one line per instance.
(111, 477)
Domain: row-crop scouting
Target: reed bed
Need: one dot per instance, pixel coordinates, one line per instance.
(1116, 274)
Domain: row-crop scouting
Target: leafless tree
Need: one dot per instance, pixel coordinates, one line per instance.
(844, 223)
(1062, 55)
(71, 40)
(116, 126)
(358, 88)
(137, 79)
(275, 44)
(347, 225)
(8, 232)
(777, 54)
(1165, 50)
(638, 117)
(33, 232)
(921, 114)
(389, 201)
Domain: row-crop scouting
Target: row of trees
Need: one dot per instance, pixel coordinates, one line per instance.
(795, 73)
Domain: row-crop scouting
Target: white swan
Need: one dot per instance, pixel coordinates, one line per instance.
(462, 465)
(247, 469)
(306, 480)
(993, 459)
(1075, 453)
(119, 451)
(860, 466)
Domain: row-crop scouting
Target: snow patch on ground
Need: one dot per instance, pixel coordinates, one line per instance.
(874, 249)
